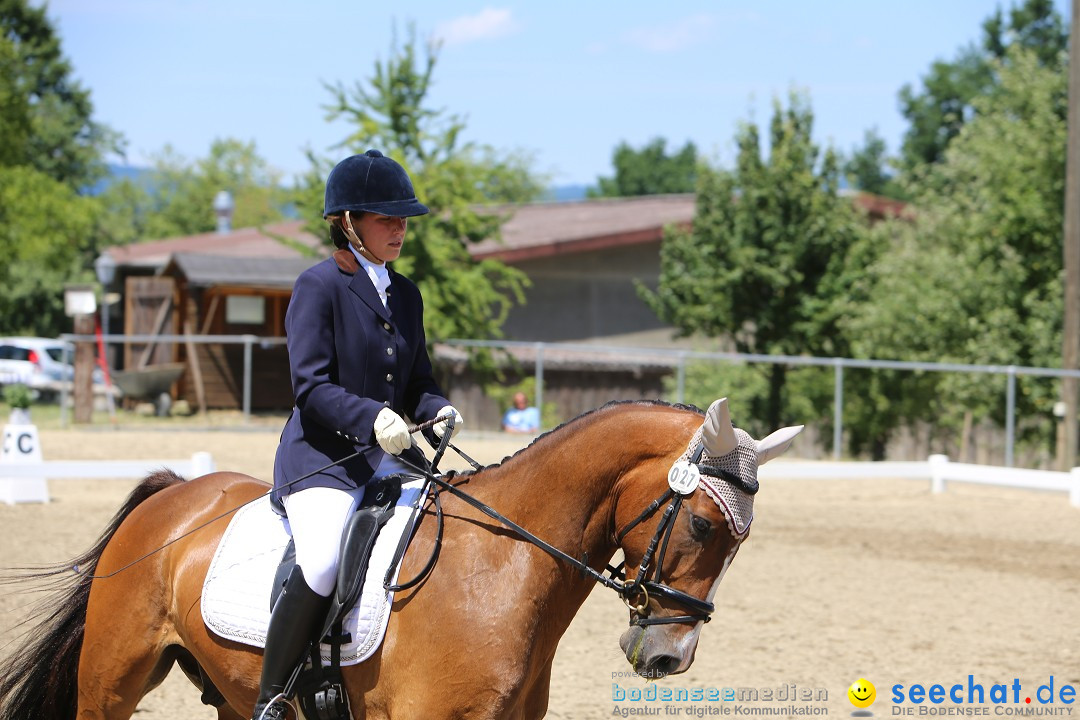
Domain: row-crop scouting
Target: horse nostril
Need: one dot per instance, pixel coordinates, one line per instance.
(661, 666)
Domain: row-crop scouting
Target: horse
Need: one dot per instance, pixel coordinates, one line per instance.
(476, 638)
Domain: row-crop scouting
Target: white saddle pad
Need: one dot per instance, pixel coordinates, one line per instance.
(236, 593)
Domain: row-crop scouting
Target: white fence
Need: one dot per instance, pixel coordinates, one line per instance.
(25, 481)
(937, 469)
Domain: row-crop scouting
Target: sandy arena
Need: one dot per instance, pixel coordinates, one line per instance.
(838, 580)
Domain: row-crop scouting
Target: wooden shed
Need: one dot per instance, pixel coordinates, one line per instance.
(200, 294)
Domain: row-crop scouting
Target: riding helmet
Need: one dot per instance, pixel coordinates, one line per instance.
(371, 183)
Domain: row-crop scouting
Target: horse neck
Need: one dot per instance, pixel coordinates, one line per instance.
(564, 487)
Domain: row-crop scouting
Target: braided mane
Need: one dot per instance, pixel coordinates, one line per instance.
(580, 418)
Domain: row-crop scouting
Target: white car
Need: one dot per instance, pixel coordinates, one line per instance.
(37, 363)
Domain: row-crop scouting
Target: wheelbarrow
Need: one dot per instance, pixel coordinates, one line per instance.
(151, 383)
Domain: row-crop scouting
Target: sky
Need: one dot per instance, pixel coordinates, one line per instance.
(563, 81)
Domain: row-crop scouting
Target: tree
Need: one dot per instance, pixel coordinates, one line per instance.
(649, 171)
(766, 252)
(946, 101)
(45, 107)
(867, 168)
(975, 275)
(51, 151)
(46, 232)
(177, 197)
(14, 108)
(462, 297)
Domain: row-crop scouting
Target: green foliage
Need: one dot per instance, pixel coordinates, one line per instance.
(51, 151)
(14, 108)
(975, 275)
(177, 198)
(806, 395)
(1034, 26)
(946, 100)
(463, 298)
(649, 171)
(44, 112)
(867, 168)
(46, 233)
(767, 254)
(17, 396)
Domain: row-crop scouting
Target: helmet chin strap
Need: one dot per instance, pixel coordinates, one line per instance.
(355, 238)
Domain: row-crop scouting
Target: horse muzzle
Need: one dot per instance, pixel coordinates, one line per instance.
(653, 653)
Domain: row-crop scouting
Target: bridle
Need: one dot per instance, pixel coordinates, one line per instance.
(699, 610)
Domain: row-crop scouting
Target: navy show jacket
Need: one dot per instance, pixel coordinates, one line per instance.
(349, 358)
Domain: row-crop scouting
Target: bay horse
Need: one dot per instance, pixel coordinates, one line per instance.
(477, 637)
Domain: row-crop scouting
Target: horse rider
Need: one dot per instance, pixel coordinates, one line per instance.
(358, 360)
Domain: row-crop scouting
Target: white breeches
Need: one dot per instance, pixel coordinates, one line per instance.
(317, 518)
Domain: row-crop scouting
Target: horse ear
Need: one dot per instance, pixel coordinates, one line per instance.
(776, 444)
(717, 433)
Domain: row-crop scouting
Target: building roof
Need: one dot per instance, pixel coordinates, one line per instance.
(272, 241)
(545, 229)
(532, 231)
(877, 207)
(204, 270)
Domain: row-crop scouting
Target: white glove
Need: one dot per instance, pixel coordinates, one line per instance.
(391, 432)
(440, 427)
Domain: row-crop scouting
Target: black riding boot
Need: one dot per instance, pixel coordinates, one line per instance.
(297, 616)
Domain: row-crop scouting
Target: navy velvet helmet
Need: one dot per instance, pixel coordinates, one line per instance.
(371, 183)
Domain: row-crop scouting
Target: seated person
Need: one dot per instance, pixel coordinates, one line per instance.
(521, 418)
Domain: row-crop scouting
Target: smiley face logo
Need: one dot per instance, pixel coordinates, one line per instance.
(862, 693)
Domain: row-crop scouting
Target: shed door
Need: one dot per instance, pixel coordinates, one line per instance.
(149, 310)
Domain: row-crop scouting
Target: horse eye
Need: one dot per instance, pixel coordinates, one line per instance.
(700, 526)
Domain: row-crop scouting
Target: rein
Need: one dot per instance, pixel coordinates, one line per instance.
(700, 610)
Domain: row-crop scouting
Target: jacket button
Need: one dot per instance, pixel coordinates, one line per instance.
(389, 377)
(386, 326)
(390, 351)
(386, 403)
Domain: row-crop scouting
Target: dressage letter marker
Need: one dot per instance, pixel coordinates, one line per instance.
(21, 447)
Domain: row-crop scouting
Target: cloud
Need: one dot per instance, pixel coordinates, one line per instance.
(673, 36)
(484, 25)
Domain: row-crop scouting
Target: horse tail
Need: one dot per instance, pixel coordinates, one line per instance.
(39, 679)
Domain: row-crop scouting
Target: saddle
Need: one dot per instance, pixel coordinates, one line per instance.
(319, 688)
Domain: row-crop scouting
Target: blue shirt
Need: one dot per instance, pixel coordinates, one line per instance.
(525, 420)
